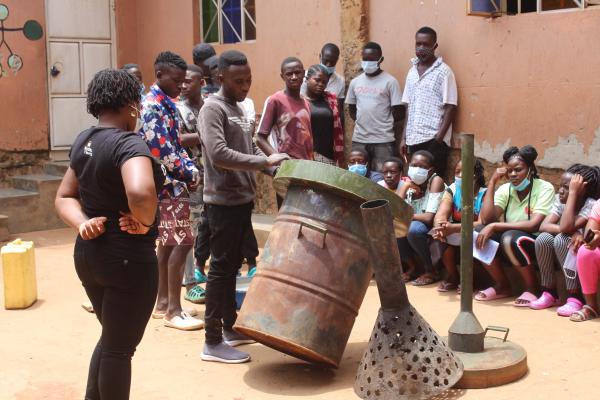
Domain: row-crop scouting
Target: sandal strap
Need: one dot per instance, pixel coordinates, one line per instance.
(591, 310)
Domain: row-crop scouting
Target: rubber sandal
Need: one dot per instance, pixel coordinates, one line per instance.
(199, 276)
(546, 300)
(184, 322)
(424, 280)
(196, 295)
(572, 305)
(528, 297)
(580, 316)
(489, 294)
(446, 286)
(251, 272)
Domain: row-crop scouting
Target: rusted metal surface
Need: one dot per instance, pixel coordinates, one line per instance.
(405, 359)
(314, 271)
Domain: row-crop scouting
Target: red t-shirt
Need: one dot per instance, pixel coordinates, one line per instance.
(286, 121)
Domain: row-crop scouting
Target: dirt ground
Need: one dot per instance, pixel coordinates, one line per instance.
(44, 350)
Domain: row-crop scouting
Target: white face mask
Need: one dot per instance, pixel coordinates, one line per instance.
(369, 67)
(418, 175)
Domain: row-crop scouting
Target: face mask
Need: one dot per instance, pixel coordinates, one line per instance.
(370, 67)
(458, 181)
(330, 70)
(423, 53)
(523, 185)
(209, 89)
(418, 175)
(360, 169)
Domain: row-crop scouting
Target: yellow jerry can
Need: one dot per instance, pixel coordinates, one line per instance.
(18, 265)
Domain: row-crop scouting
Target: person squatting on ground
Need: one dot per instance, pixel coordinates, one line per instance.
(161, 130)
(358, 163)
(423, 192)
(521, 204)
(588, 267)
(562, 235)
(374, 102)
(109, 194)
(447, 221)
(325, 120)
(230, 160)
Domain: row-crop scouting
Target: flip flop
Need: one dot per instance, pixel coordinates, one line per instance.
(571, 306)
(446, 286)
(528, 297)
(424, 281)
(580, 316)
(490, 294)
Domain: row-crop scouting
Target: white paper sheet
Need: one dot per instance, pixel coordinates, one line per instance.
(487, 254)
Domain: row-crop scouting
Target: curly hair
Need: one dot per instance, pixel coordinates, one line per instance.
(110, 90)
(169, 59)
(528, 154)
(591, 175)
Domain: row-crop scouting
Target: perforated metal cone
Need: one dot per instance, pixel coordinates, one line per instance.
(405, 359)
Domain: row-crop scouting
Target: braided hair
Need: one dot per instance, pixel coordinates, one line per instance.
(313, 69)
(591, 175)
(528, 154)
(110, 90)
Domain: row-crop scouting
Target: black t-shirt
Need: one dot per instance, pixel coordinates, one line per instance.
(97, 156)
(321, 120)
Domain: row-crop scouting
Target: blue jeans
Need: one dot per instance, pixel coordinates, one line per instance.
(416, 243)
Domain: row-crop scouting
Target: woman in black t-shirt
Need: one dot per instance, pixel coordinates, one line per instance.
(109, 194)
(325, 119)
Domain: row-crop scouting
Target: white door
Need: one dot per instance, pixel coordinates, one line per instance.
(81, 41)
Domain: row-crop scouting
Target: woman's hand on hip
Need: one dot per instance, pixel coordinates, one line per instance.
(92, 228)
(128, 223)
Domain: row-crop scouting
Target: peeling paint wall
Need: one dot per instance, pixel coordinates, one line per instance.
(524, 79)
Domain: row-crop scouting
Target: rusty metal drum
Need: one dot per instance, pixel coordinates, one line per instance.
(314, 270)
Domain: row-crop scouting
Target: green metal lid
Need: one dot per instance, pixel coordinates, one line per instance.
(346, 184)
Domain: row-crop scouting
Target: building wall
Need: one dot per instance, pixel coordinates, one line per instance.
(24, 105)
(524, 79)
(284, 28)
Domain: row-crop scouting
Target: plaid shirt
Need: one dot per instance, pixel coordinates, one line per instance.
(426, 96)
(160, 129)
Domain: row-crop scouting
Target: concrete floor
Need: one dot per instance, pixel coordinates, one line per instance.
(45, 349)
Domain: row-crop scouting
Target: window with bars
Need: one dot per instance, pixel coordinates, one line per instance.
(228, 21)
(511, 7)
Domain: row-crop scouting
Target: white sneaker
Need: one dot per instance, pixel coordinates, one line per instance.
(184, 322)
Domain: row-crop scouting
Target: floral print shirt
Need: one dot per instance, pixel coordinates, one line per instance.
(160, 129)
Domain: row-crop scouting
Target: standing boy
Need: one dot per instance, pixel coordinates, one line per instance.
(375, 103)
(230, 161)
(161, 131)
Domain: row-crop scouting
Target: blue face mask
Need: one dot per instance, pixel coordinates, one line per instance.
(360, 169)
(330, 70)
(523, 185)
(458, 181)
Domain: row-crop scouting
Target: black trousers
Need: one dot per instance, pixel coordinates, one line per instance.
(227, 225)
(440, 153)
(123, 292)
(202, 243)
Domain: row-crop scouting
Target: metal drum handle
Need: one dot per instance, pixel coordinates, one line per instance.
(315, 227)
(498, 329)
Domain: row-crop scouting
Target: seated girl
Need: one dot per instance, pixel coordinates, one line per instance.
(563, 230)
(358, 162)
(423, 191)
(513, 215)
(588, 268)
(392, 174)
(448, 217)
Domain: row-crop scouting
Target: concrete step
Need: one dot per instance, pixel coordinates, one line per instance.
(4, 233)
(36, 182)
(57, 168)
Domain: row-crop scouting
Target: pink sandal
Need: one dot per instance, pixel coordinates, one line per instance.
(528, 297)
(489, 294)
(546, 300)
(571, 306)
